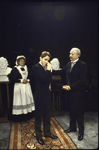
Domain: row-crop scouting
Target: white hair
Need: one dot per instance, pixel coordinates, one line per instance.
(78, 51)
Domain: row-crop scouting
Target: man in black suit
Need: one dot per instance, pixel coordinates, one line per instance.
(76, 73)
(44, 83)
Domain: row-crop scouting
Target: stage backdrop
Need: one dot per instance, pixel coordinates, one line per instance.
(28, 28)
(53, 26)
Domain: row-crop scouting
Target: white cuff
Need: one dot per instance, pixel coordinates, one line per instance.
(21, 80)
(69, 88)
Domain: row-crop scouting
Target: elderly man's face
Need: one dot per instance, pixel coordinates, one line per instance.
(73, 55)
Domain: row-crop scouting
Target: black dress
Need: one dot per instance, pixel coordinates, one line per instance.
(15, 77)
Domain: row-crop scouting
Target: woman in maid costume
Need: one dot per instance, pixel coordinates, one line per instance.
(22, 105)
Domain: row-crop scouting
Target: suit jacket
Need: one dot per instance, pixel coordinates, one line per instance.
(76, 80)
(43, 79)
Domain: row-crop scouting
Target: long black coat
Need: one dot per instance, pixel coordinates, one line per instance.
(42, 98)
(43, 79)
(76, 80)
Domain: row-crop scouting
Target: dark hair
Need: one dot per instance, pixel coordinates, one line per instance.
(45, 53)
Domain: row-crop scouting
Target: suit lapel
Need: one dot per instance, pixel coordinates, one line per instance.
(69, 66)
(41, 67)
(75, 66)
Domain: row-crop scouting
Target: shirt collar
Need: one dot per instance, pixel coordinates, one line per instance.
(41, 64)
(75, 60)
(21, 66)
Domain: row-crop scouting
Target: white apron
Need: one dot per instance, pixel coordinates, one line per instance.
(23, 101)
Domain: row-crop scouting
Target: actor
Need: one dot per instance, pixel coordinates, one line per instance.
(76, 73)
(44, 84)
(22, 104)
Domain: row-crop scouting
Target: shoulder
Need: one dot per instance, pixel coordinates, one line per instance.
(28, 69)
(68, 63)
(14, 69)
(81, 62)
(14, 72)
(36, 66)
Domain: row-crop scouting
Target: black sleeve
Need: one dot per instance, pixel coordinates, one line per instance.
(59, 72)
(14, 76)
(38, 75)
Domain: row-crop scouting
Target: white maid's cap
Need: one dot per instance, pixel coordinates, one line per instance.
(21, 56)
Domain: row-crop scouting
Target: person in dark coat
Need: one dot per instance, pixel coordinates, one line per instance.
(76, 74)
(44, 84)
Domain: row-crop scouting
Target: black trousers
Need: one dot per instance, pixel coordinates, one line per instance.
(43, 113)
(79, 117)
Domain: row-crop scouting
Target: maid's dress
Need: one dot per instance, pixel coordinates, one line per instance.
(22, 105)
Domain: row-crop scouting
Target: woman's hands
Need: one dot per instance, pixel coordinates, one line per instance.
(66, 87)
(25, 81)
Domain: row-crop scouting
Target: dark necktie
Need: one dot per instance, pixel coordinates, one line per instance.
(22, 69)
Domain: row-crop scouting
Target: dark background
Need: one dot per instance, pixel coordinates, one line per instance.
(28, 28)
(53, 26)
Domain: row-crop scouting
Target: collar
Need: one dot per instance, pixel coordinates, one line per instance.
(21, 66)
(75, 60)
(41, 64)
(44, 67)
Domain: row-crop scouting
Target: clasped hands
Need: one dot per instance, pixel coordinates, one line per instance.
(25, 81)
(66, 87)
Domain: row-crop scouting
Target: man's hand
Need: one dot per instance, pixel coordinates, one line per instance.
(25, 81)
(49, 66)
(66, 87)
